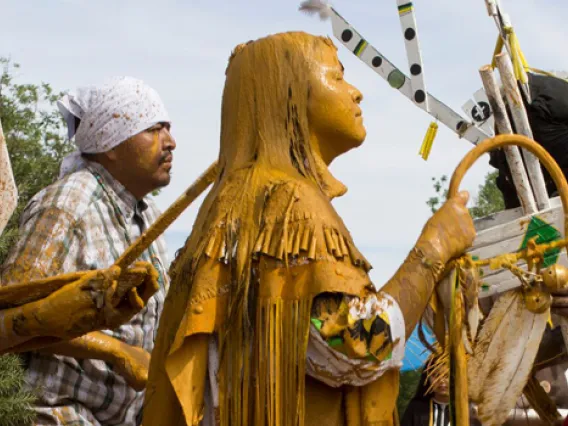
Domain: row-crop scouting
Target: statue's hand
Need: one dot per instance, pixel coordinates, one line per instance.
(132, 363)
(126, 294)
(450, 232)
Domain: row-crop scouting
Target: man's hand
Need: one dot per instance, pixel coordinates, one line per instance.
(123, 295)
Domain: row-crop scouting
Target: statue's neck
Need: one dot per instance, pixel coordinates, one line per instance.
(331, 186)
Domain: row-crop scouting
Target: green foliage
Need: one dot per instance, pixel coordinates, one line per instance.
(409, 381)
(35, 137)
(441, 192)
(34, 132)
(15, 402)
(489, 199)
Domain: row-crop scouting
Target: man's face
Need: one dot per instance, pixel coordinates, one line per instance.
(147, 156)
(333, 108)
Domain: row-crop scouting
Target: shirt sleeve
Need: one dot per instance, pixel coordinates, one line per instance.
(354, 341)
(46, 239)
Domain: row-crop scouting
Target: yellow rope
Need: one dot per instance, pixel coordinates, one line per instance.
(498, 49)
(549, 74)
(520, 64)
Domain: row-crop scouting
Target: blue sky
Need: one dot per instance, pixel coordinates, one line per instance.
(181, 49)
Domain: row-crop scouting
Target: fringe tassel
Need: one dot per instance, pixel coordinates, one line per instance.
(273, 395)
(262, 362)
(459, 407)
(291, 238)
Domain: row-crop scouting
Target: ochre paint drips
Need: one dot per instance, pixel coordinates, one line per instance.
(267, 240)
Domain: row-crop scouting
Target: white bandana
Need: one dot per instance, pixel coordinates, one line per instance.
(110, 114)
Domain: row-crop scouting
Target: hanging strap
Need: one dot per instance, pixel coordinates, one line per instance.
(428, 141)
(520, 64)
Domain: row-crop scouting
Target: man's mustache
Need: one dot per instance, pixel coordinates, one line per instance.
(166, 157)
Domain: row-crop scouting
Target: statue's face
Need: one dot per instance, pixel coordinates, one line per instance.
(333, 108)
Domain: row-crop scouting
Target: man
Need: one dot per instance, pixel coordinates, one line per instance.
(430, 405)
(84, 221)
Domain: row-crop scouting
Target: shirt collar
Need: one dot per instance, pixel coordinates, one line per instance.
(125, 201)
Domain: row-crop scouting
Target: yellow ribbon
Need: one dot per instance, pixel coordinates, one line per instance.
(428, 140)
(520, 65)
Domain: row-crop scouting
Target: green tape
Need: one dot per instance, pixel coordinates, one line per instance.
(335, 341)
(545, 233)
(317, 323)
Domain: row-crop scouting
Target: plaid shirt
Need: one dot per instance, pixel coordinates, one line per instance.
(83, 222)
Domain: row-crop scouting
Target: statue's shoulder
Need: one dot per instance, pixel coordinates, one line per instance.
(299, 221)
(293, 219)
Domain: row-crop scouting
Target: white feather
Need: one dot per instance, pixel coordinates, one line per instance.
(489, 337)
(473, 317)
(444, 290)
(321, 7)
(466, 342)
(503, 357)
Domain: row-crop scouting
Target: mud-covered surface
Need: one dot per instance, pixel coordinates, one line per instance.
(8, 189)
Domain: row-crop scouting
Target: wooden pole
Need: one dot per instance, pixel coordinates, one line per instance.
(512, 153)
(8, 189)
(491, 7)
(167, 218)
(504, 26)
(522, 126)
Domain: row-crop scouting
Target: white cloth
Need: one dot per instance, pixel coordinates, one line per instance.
(323, 362)
(110, 114)
(336, 369)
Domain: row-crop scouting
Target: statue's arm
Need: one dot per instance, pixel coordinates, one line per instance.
(130, 362)
(448, 234)
(62, 324)
(414, 282)
(373, 328)
(79, 307)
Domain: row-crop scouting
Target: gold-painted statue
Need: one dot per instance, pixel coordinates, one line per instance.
(271, 318)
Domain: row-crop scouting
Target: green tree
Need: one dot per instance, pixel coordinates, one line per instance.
(440, 193)
(34, 132)
(15, 402)
(409, 381)
(489, 199)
